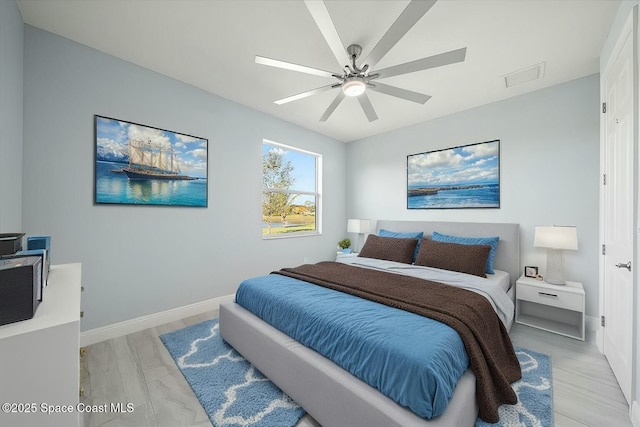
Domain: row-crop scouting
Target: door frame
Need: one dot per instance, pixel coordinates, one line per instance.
(630, 28)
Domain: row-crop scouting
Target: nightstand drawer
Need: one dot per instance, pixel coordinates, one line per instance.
(553, 297)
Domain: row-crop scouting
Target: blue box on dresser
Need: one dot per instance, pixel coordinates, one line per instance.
(20, 288)
(41, 243)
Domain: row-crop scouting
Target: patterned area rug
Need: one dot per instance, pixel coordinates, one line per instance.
(234, 393)
(534, 407)
(231, 391)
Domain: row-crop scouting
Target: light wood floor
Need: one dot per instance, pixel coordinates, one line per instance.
(137, 369)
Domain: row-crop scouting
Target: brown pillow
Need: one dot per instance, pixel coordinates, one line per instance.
(389, 248)
(470, 259)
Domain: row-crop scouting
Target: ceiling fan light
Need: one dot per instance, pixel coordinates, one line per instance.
(353, 86)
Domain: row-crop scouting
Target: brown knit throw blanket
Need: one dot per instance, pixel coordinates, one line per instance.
(485, 338)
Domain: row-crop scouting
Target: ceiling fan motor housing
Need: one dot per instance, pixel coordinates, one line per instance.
(354, 51)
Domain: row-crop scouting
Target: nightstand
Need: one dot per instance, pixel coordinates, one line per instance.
(342, 255)
(553, 308)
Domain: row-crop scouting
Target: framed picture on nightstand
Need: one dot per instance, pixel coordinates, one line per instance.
(531, 271)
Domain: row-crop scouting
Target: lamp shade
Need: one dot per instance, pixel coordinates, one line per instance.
(358, 226)
(556, 237)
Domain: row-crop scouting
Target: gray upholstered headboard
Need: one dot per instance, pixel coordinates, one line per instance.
(507, 255)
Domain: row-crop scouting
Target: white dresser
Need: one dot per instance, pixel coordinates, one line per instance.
(39, 357)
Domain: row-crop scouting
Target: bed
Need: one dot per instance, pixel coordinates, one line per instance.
(332, 395)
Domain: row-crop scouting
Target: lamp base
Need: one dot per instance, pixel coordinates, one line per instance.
(358, 241)
(555, 267)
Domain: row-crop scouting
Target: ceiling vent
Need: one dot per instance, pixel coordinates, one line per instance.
(529, 74)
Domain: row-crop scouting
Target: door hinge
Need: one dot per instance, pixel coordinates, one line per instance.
(604, 179)
(604, 250)
(602, 322)
(604, 107)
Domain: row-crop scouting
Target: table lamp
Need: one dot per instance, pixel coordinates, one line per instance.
(556, 239)
(358, 226)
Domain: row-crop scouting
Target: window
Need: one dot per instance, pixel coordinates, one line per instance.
(290, 191)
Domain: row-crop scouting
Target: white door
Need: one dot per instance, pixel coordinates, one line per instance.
(618, 233)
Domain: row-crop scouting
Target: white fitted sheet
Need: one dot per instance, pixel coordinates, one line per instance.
(493, 288)
(501, 278)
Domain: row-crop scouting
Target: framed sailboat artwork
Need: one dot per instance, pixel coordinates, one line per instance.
(143, 165)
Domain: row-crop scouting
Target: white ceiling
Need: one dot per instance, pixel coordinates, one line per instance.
(211, 44)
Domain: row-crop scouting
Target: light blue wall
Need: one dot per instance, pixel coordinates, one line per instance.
(139, 260)
(11, 71)
(549, 167)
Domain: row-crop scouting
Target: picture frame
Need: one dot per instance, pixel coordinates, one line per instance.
(531, 271)
(143, 165)
(463, 177)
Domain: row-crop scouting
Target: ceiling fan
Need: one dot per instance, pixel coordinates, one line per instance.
(355, 80)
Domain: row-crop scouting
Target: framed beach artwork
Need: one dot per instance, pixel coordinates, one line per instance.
(455, 178)
(143, 165)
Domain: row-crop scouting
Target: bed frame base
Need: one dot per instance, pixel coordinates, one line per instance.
(331, 395)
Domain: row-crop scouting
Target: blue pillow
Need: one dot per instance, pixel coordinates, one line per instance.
(492, 241)
(409, 235)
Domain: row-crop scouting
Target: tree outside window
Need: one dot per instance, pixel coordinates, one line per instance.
(290, 191)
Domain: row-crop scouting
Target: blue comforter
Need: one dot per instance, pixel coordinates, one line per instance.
(414, 360)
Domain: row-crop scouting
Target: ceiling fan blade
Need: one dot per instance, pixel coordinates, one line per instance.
(320, 15)
(291, 66)
(332, 107)
(434, 61)
(303, 95)
(409, 95)
(365, 103)
(407, 19)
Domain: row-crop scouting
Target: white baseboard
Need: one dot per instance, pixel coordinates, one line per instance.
(592, 323)
(635, 413)
(139, 323)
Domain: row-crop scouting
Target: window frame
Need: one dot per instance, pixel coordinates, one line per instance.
(317, 193)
